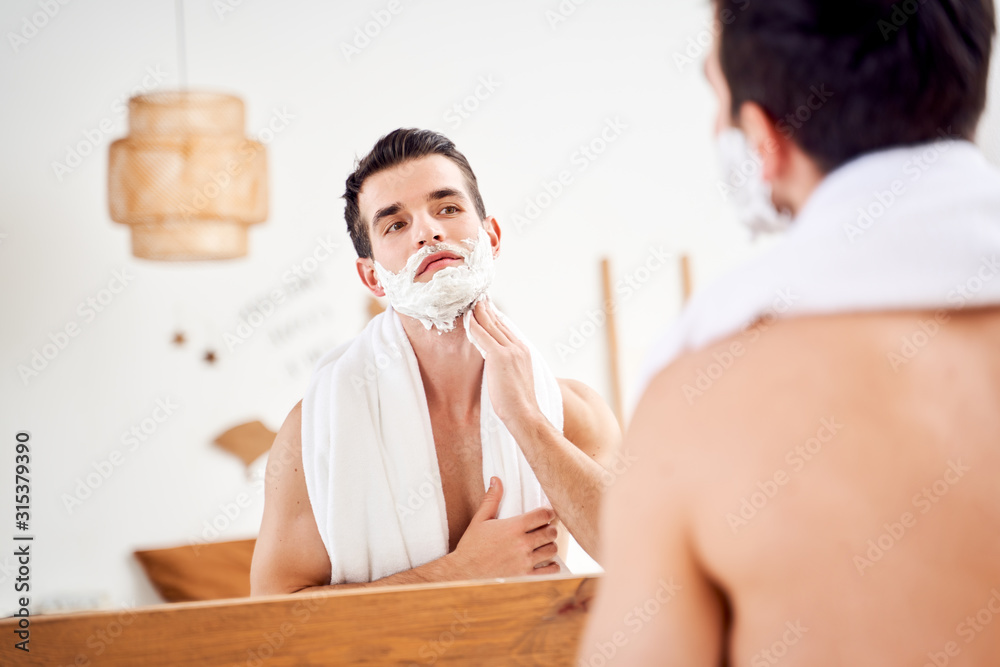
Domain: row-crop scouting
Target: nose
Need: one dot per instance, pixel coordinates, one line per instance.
(429, 230)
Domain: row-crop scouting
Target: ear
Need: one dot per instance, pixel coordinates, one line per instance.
(366, 269)
(764, 136)
(493, 229)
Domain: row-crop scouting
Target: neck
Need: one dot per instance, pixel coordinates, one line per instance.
(803, 179)
(450, 366)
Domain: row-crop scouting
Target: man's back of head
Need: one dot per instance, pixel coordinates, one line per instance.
(896, 72)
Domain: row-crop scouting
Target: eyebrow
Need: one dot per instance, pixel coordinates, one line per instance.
(396, 207)
(446, 193)
(385, 212)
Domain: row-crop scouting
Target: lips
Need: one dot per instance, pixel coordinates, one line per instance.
(431, 259)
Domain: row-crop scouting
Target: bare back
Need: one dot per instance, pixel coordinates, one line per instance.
(832, 495)
(875, 522)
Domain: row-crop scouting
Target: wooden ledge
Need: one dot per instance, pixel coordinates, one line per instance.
(526, 620)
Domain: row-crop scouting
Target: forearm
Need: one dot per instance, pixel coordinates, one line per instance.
(570, 478)
(438, 570)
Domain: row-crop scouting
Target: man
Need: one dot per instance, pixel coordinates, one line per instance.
(818, 445)
(379, 473)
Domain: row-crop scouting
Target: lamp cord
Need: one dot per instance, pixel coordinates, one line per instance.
(181, 46)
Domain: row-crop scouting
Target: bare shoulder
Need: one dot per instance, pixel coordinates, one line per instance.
(755, 389)
(289, 436)
(766, 388)
(588, 421)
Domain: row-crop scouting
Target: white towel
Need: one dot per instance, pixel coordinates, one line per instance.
(906, 228)
(369, 459)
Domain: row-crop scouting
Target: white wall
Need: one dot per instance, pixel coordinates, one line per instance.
(654, 187)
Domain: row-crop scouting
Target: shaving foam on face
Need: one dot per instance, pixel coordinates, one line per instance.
(450, 292)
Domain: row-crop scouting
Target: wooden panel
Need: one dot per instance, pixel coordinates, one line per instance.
(209, 571)
(523, 621)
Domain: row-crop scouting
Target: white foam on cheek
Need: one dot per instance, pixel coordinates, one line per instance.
(450, 292)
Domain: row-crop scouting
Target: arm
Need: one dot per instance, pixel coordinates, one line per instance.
(573, 466)
(654, 604)
(290, 555)
(570, 467)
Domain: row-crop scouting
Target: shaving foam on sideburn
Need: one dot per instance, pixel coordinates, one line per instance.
(450, 292)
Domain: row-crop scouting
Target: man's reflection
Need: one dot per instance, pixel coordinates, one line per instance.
(377, 476)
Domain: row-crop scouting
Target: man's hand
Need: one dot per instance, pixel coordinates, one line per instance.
(568, 462)
(511, 547)
(508, 366)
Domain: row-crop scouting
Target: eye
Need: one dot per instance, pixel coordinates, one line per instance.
(396, 226)
(450, 209)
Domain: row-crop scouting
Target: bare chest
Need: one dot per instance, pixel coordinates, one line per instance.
(460, 460)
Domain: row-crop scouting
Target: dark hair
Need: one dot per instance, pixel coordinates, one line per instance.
(390, 151)
(847, 77)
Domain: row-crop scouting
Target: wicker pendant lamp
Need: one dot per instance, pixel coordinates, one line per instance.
(186, 179)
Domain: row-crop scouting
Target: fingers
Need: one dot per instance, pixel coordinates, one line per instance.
(548, 569)
(491, 501)
(482, 316)
(483, 338)
(542, 536)
(507, 330)
(544, 553)
(536, 518)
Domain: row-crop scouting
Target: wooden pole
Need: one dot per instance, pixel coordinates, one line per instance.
(612, 333)
(686, 277)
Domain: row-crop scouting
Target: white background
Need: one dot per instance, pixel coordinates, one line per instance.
(654, 187)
